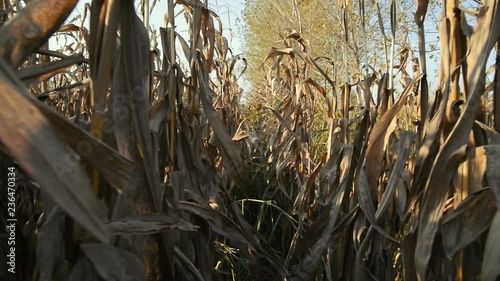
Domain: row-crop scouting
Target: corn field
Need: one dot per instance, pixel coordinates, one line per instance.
(129, 153)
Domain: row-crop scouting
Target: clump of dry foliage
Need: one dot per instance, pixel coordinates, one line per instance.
(131, 167)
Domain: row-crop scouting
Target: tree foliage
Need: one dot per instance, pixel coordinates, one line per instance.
(323, 26)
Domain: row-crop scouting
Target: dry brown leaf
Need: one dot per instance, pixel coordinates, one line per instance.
(309, 263)
(490, 269)
(275, 52)
(114, 167)
(36, 144)
(135, 58)
(403, 152)
(40, 72)
(421, 11)
(470, 176)
(240, 135)
(104, 22)
(219, 222)
(486, 33)
(231, 158)
(367, 205)
(148, 224)
(31, 28)
(490, 135)
(468, 221)
(492, 176)
(379, 138)
(72, 28)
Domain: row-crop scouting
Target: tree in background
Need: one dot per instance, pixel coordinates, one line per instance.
(350, 41)
(322, 25)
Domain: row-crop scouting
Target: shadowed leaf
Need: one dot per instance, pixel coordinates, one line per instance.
(36, 144)
(82, 271)
(466, 223)
(490, 269)
(114, 263)
(50, 250)
(37, 73)
(486, 33)
(148, 224)
(219, 222)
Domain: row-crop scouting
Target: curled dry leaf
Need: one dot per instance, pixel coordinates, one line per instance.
(240, 135)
